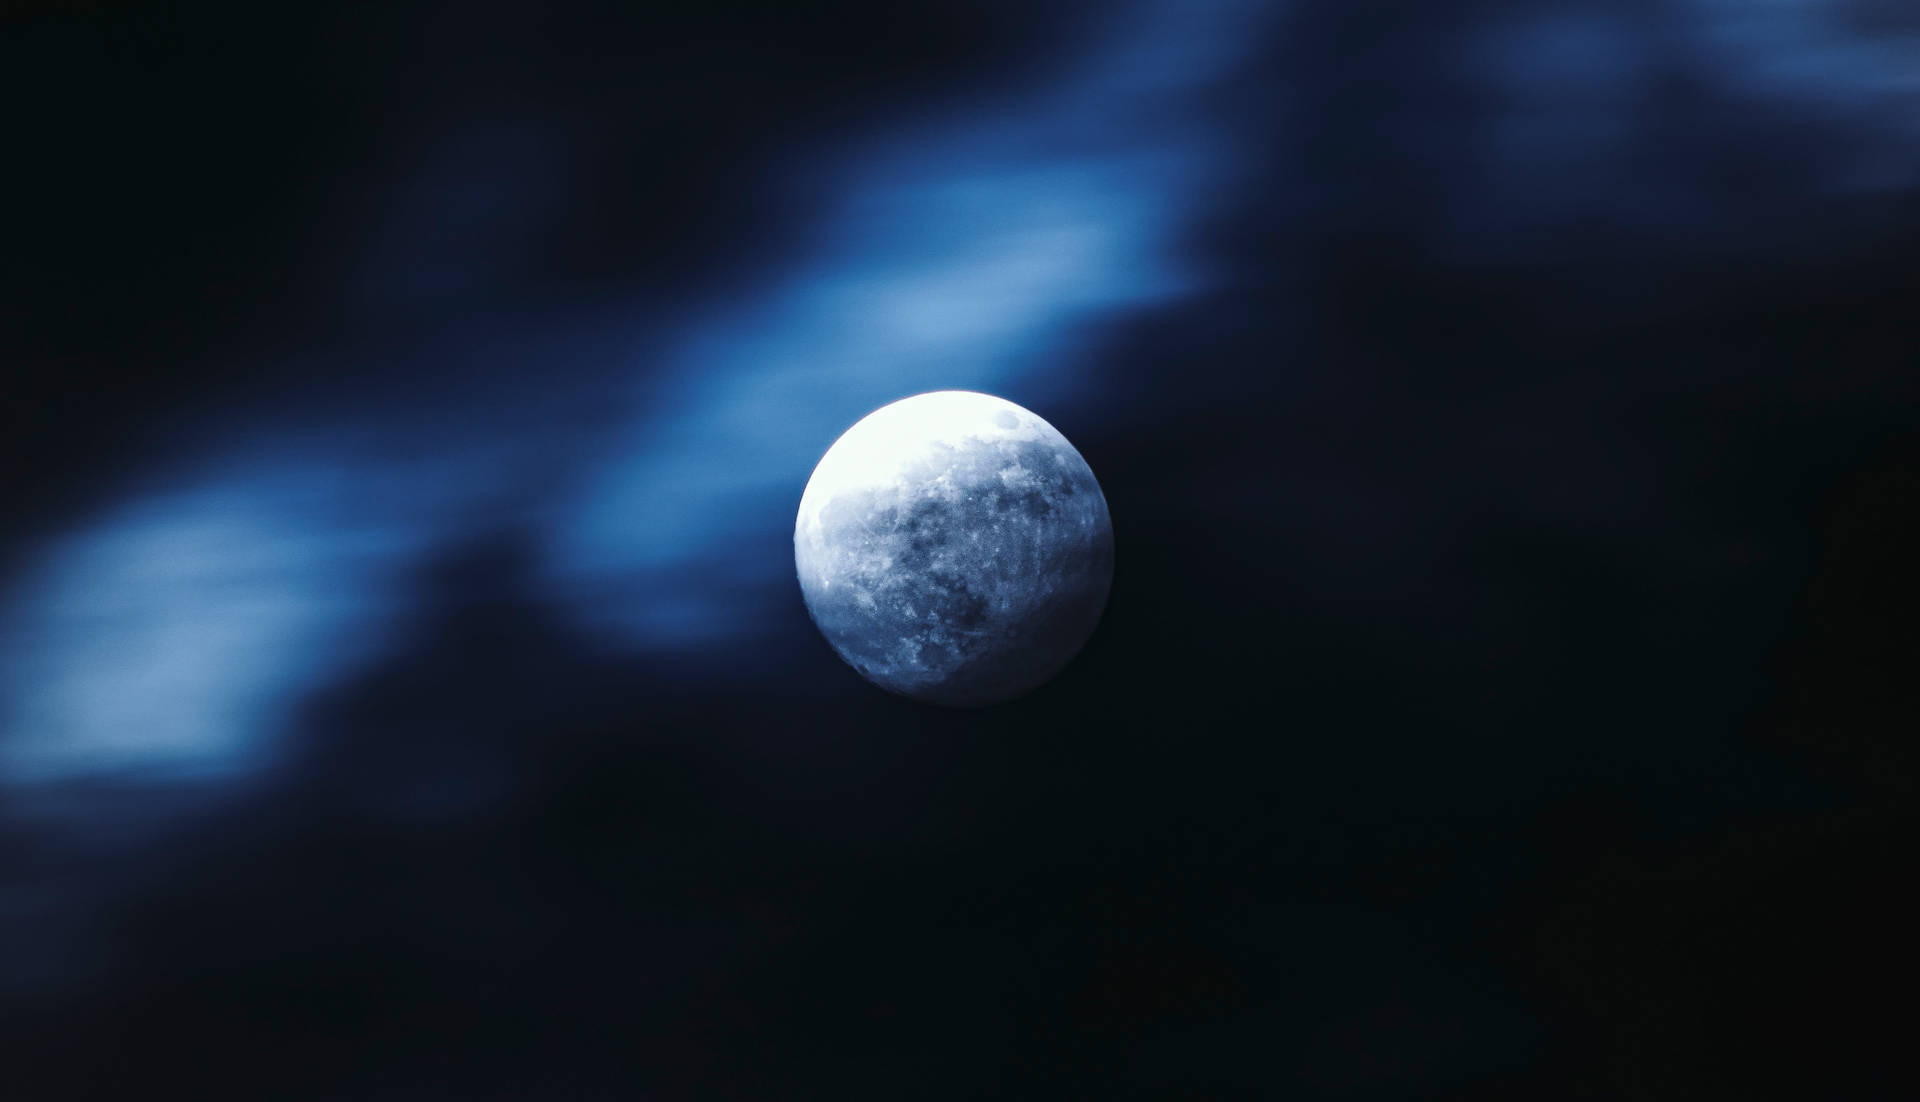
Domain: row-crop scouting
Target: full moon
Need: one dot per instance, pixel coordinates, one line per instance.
(954, 548)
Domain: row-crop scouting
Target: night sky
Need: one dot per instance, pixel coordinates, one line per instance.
(1509, 413)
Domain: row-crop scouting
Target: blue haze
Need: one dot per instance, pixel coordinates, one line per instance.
(654, 448)
(176, 633)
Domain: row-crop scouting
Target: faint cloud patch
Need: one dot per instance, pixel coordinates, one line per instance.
(161, 639)
(962, 255)
(1843, 64)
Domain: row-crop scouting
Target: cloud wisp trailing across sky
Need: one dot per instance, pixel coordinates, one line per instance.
(175, 633)
(963, 244)
(167, 637)
(962, 251)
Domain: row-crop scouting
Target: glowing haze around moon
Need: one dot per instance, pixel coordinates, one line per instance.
(954, 548)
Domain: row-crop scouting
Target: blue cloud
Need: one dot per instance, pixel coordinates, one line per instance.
(961, 254)
(168, 636)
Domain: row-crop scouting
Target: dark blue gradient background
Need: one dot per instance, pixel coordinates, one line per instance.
(1507, 413)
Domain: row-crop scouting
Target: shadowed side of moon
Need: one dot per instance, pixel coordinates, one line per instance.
(971, 579)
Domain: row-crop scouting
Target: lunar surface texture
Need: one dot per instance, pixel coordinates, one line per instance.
(954, 548)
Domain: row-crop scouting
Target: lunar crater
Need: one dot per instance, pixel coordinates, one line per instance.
(961, 564)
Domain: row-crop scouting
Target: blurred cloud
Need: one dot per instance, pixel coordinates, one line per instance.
(1852, 64)
(1817, 51)
(169, 635)
(959, 245)
(1570, 87)
(961, 254)
(175, 632)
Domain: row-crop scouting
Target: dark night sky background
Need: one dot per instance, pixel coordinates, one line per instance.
(1508, 414)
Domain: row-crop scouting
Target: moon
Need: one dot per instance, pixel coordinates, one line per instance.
(954, 548)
